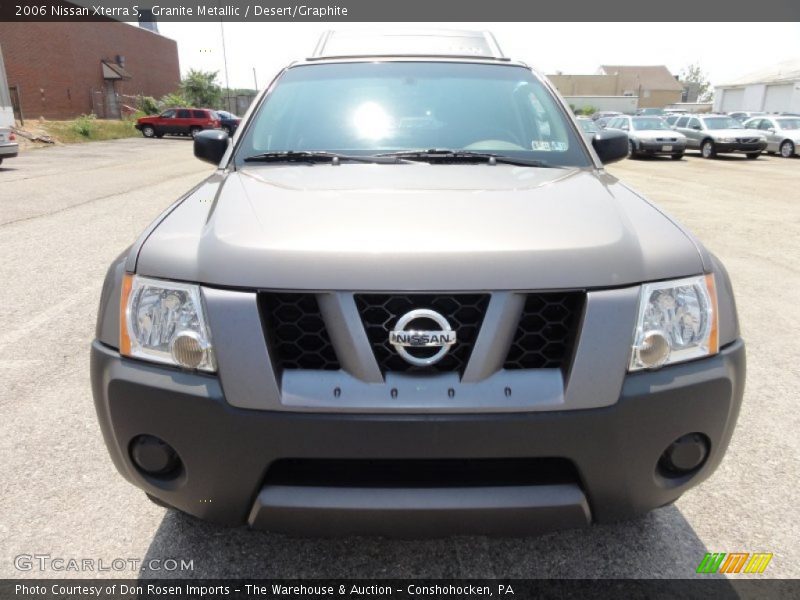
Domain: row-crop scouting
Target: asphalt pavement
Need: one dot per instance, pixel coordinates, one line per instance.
(67, 211)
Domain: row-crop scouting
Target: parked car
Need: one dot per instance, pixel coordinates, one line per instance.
(9, 147)
(602, 122)
(720, 134)
(605, 113)
(228, 121)
(178, 121)
(782, 133)
(588, 128)
(650, 136)
(672, 118)
(743, 115)
(438, 315)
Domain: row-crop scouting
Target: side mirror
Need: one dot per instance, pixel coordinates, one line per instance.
(610, 145)
(210, 145)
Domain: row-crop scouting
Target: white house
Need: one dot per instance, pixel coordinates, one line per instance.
(772, 89)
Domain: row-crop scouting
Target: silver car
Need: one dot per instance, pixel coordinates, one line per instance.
(410, 300)
(650, 136)
(9, 147)
(720, 134)
(588, 128)
(782, 133)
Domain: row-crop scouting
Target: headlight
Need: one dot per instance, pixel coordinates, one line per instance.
(677, 322)
(164, 321)
(724, 140)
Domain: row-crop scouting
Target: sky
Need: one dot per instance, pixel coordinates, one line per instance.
(256, 52)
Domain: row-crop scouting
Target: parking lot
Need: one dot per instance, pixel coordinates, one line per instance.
(66, 212)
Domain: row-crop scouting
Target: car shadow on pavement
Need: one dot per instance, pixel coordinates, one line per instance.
(658, 545)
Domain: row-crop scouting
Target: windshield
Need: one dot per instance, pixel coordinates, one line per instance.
(722, 123)
(373, 108)
(645, 123)
(789, 123)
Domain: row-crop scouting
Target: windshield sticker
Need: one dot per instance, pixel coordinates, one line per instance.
(540, 145)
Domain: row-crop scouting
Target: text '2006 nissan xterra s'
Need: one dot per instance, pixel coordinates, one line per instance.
(410, 301)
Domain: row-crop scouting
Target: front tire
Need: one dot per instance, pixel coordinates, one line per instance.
(708, 150)
(787, 149)
(194, 131)
(631, 149)
(148, 131)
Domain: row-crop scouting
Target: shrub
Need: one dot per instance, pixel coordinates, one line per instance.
(84, 125)
(172, 100)
(148, 105)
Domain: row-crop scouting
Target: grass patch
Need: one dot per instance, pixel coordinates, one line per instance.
(87, 128)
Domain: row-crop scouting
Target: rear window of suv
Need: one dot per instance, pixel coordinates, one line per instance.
(375, 107)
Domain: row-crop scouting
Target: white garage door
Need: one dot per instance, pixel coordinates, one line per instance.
(732, 100)
(778, 98)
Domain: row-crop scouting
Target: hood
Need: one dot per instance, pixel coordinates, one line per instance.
(735, 133)
(653, 134)
(415, 227)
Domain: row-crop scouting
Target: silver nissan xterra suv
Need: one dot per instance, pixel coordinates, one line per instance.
(411, 301)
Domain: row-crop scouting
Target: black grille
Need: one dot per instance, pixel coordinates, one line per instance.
(295, 332)
(380, 313)
(546, 332)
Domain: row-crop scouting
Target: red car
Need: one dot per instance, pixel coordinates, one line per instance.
(178, 121)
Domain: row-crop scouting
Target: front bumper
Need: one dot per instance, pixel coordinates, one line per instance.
(227, 452)
(653, 147)
(725, 148)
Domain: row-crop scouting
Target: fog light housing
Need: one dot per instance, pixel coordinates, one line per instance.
(685, 455)
(153, 456)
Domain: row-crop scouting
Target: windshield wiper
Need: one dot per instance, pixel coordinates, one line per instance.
(315, 156)
(445, 155)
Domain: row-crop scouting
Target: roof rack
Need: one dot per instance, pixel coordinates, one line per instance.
(424, 42)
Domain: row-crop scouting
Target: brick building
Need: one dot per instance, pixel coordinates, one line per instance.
(61, 70)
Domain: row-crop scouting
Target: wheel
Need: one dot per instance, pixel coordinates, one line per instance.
(148, 131)
(227, 130)
(194, 131)
(708, 150)
(787, 149)
(677, 156)
(753, 155)
(631, 149)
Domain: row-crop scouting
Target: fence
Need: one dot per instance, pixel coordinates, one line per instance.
(238, 104)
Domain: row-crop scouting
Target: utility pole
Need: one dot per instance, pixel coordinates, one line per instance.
(225, 62)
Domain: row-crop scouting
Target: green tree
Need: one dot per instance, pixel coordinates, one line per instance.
(200, 88)
(694, 74)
